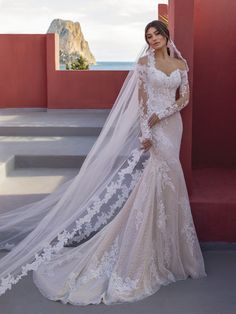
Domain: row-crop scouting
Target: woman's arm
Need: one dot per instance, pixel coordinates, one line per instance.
(143, 99)
(181, 102)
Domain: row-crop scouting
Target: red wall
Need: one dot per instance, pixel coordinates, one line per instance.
(30, 77)
(80, 89)
(180, 19)
(214, 112)
(23, 71)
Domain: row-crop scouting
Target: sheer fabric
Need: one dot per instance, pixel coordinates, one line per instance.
(123, 226)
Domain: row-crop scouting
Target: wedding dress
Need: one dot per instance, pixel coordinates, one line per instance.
(151, 240)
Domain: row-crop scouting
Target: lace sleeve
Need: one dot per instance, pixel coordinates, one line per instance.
(143, 99)
(183, 99)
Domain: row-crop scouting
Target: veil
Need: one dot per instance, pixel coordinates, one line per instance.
(82, 206)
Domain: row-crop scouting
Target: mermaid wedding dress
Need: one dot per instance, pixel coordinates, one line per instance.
(122, 227)
(152, 240)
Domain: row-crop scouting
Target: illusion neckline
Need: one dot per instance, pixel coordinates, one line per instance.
(168, 75)
(153, 61)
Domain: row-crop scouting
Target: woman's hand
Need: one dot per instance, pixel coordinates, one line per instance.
(146, 144)
(153, 120)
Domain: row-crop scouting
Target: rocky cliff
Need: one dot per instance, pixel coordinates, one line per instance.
(72, 43)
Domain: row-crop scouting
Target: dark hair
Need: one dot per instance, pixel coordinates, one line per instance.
(161, 28)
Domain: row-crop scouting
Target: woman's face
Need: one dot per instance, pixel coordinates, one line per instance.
(155, 39)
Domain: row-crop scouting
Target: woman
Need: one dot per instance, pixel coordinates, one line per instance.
(131, 230)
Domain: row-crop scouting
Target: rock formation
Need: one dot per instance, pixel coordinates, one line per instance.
(71, 41)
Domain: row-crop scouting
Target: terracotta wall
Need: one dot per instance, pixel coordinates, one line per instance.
(23, 71)
(214, 111)
(30, 77)
(79, 89)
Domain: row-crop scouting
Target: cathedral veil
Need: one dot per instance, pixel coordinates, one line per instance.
(85, 204)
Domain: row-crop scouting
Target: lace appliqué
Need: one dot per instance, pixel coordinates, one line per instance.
(161, 138)
(138, 218)
(122, 285)
(154, 270)
(119, 188)
(49, 250)
(177, 105)
(161, 168)
(162, 217)
(103, 266)
(141, 206)
(144, 107)
(181, 102)
(188, 226)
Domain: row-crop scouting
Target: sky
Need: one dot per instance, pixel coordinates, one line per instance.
(114, 29)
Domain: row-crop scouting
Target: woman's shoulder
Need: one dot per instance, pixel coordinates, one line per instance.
(179, 63)
(143, 60)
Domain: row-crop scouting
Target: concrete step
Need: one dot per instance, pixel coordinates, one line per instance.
(49, 161)
(39, 150)
(49, 131)
(34, 179)
(45, 151)
(82, 122)
(25, 185)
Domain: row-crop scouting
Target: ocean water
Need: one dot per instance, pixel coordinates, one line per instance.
(107, 65)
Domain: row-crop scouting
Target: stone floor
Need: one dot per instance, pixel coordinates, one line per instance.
(214, 294)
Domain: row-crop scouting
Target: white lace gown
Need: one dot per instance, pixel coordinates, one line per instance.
(152, 241)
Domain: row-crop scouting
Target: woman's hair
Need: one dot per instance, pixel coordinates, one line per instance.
(161, 28)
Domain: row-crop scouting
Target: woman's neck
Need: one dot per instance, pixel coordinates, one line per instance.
(161, 54)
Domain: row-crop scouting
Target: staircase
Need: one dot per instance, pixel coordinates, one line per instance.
(39, 150)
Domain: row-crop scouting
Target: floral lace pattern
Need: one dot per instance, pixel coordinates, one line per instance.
(188, 229)
(103, 266)
(144, 107)
(162, 217)
(123, 284)
(62, 238)
(172, 105)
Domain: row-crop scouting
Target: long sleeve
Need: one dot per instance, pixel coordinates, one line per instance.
(143, 100)
(179, 103)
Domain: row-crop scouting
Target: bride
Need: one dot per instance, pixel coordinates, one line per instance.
(122, 228)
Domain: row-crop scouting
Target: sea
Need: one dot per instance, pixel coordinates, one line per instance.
(108, 65)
